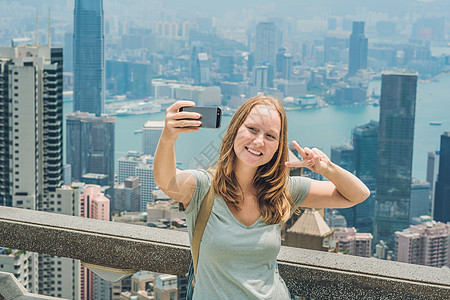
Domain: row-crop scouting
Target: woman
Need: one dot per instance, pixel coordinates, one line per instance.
(254, 195)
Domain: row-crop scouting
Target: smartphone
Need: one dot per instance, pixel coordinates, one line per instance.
(211, 116)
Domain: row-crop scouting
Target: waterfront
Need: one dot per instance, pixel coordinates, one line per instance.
(322, 127)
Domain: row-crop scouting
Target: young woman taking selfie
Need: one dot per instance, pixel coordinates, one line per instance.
(253, 196)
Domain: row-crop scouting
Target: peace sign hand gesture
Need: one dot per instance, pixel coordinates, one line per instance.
(313, 159)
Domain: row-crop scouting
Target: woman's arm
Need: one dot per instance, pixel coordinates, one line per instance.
(177, 184)
(343, 188)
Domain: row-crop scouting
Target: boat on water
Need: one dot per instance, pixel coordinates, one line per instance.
(138, 131)
(435, 123)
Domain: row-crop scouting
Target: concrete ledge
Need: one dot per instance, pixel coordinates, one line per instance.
(11, 289)
(309, 273)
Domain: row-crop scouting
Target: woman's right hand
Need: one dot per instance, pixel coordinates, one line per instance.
(176, 122)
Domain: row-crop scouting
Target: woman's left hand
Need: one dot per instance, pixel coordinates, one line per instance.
(313, 159)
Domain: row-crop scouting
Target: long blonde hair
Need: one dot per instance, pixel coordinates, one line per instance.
(270, 179)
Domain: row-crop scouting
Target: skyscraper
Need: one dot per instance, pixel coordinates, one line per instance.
(442, 192)
(266, 48)
(365, 143)
(31, 163)
(88, 53)
(266, 44)
(358, 49)
(432, 175)
(395, 151)
(360, 159)
(90, 145)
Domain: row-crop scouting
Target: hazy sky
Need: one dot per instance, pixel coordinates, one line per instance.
(292, 8)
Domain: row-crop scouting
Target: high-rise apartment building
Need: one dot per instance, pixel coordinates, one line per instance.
(145, 174)
(31, 163)
(31, 168)
(395, 151)
(90, 145)
(351, 242)
(60, 276)
(442, 192)
(151, 132)
(88, 57)
(426, 244)
(19, 263)
(357, 58)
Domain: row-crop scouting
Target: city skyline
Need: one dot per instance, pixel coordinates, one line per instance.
(334, 66)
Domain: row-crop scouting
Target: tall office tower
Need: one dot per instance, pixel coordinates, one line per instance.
(357, 58)
(266, 44)
(344, 156)
(90, 145)
(88, 54)
(266, 48)
(68, 52)
(365, 144)
(151, 132)
(426, 244)
(93, 205)
(442, 196)
(351, 242)
(432, 175)
(31, 163)
(395, 151)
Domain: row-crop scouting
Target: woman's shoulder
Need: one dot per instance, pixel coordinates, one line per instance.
(202, 177)
(298, 187)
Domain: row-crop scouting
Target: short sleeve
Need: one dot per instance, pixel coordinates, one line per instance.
(299, 188)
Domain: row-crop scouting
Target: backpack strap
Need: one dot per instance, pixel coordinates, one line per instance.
(200, 224)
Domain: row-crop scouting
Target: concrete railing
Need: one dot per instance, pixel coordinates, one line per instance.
(10, 288)
(312, 274)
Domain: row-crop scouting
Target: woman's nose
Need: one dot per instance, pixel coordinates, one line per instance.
(259, 140)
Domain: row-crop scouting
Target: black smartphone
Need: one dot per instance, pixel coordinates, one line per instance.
(211, 116)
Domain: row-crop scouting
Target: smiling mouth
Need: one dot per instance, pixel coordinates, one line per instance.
(253, 151)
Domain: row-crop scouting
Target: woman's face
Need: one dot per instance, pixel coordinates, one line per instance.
(258, 137)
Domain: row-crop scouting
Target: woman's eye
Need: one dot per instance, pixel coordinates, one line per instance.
(252, 129)
(270, 136)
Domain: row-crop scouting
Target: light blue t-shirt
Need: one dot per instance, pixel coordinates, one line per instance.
(238, 261)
